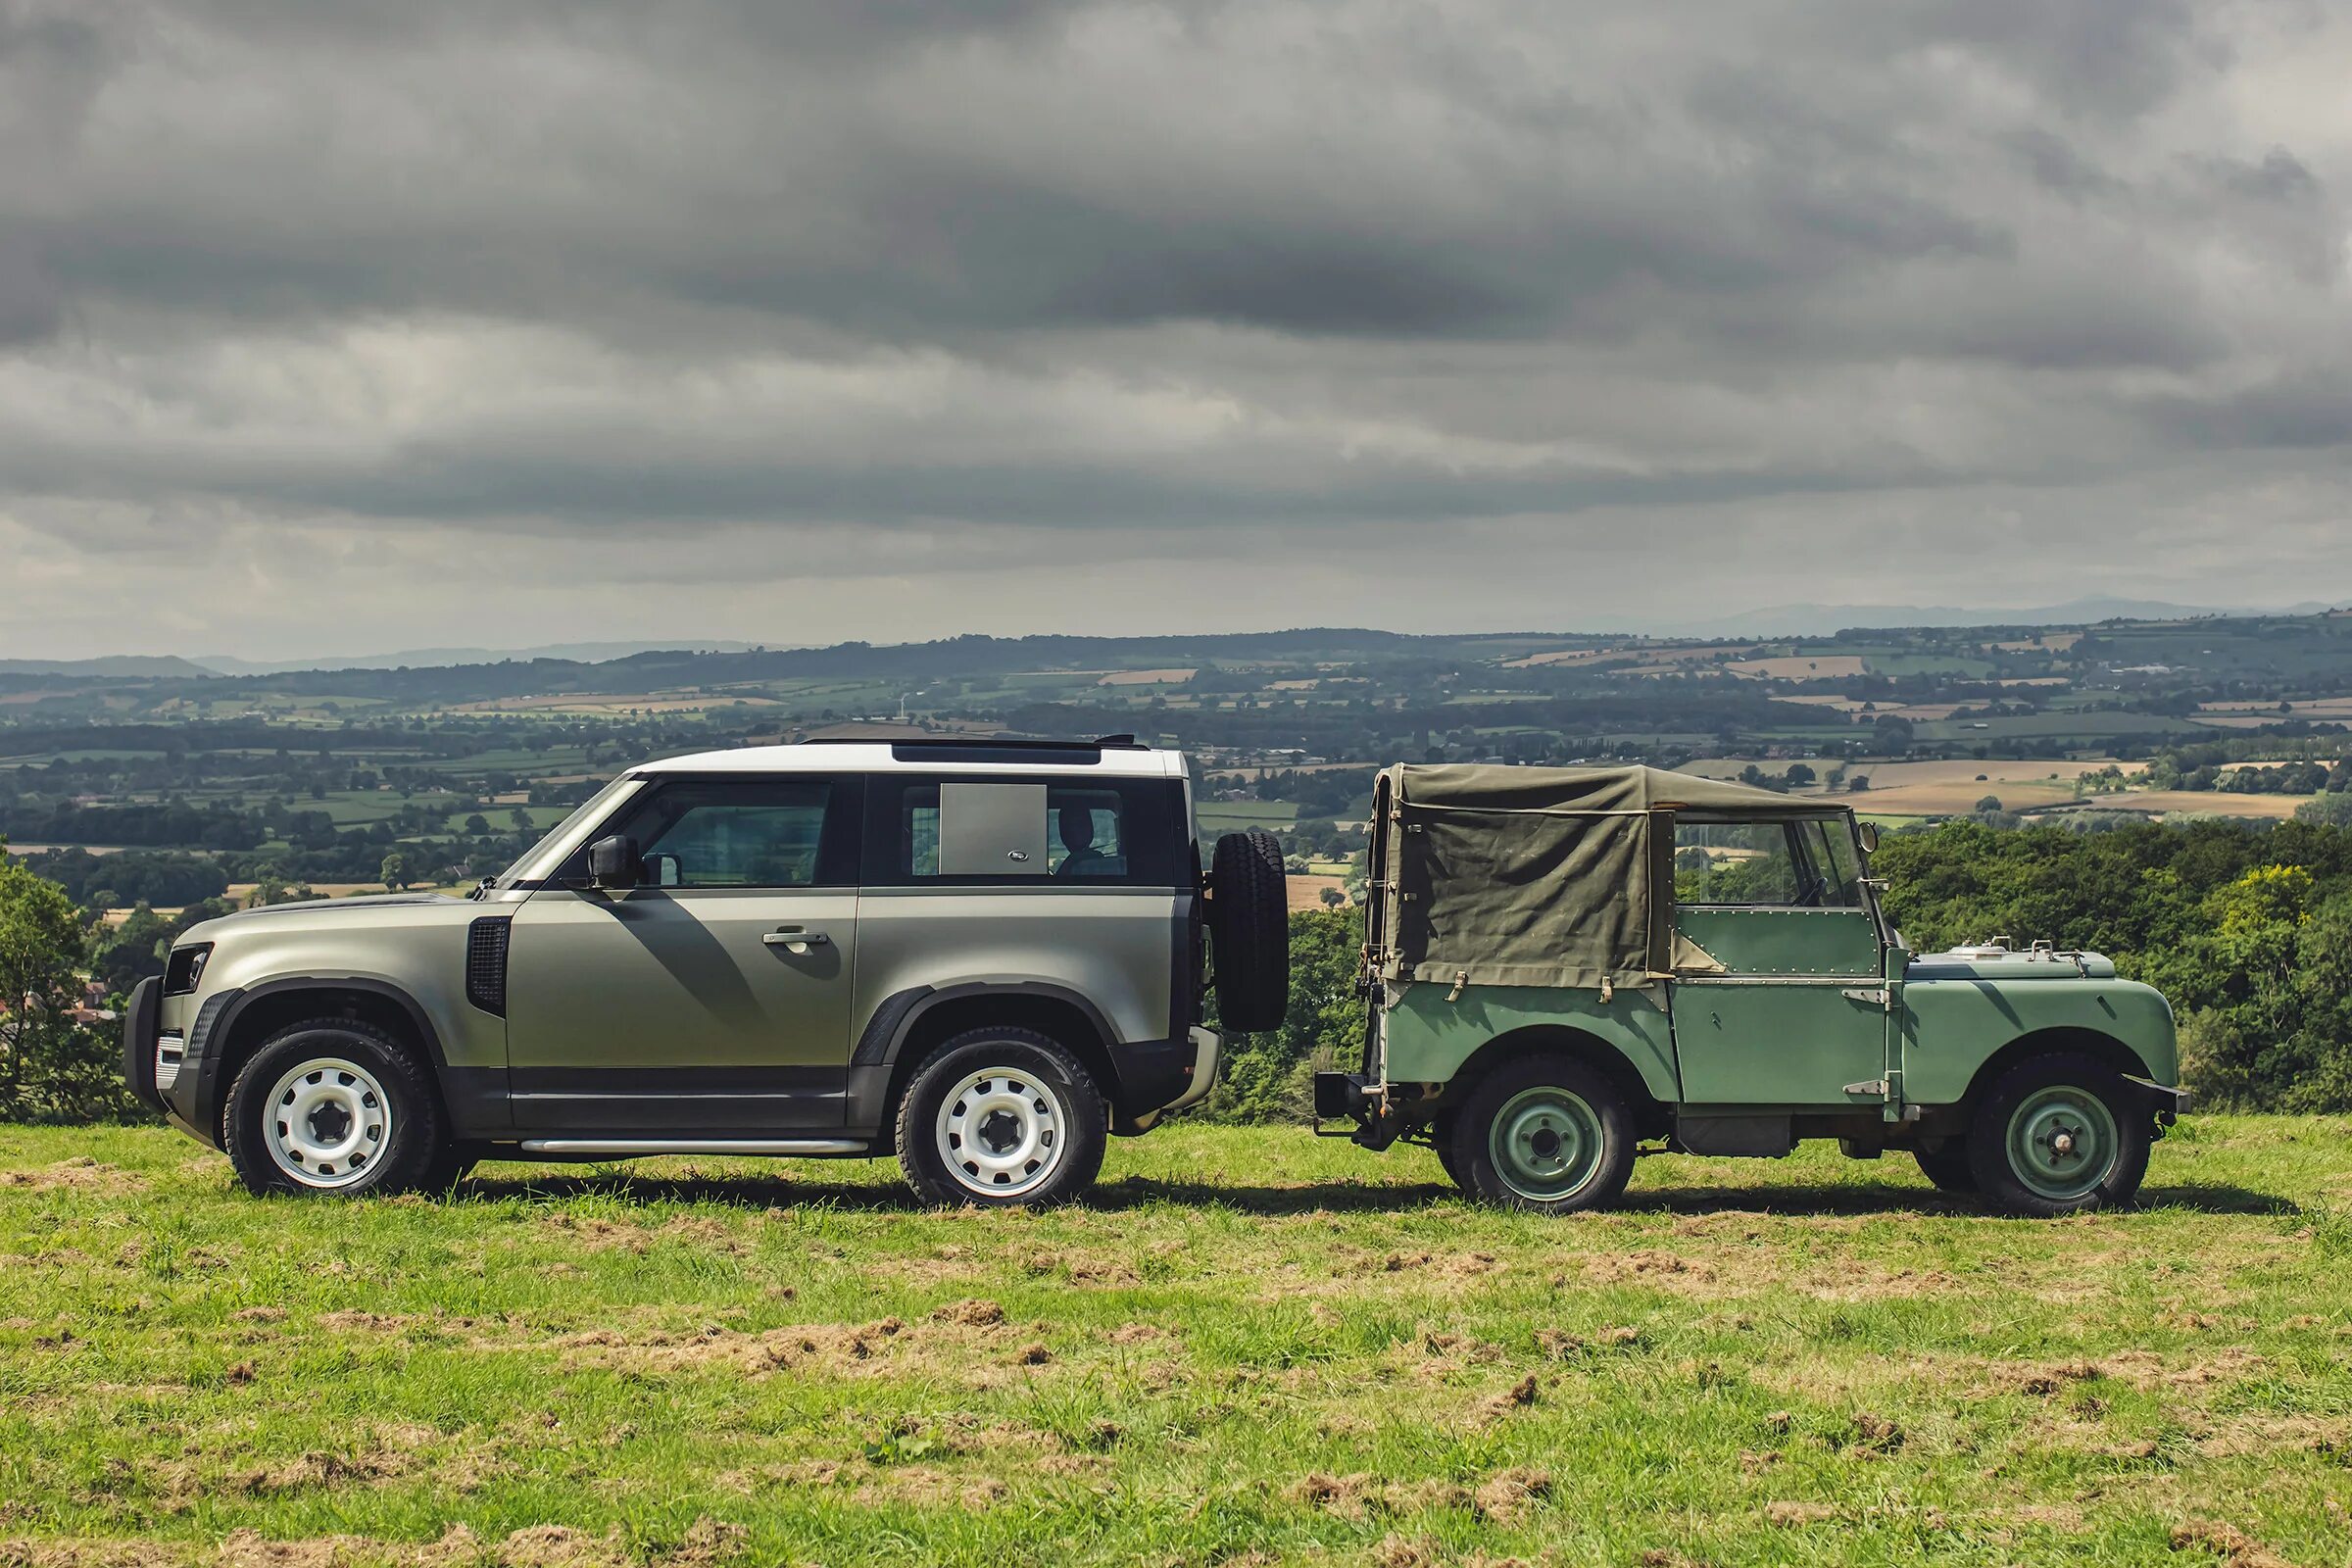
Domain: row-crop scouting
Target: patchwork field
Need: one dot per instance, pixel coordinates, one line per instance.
(1251, 1347)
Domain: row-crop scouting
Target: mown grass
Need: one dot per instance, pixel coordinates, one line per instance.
(1249, 1347)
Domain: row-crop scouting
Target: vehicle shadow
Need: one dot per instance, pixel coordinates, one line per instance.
(1827, 1200)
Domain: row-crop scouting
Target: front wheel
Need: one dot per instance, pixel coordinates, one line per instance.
(999, 1118)
(2056, 1135)
(1547, 1133)
(334, 1107)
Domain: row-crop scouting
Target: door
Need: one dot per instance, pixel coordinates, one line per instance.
(1777, 995)
(714, 998)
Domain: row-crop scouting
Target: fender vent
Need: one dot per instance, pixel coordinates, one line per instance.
(486, 963)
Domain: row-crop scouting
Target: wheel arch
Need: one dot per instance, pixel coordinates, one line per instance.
(1651, 1115)
(909, 1027)
(261, 1011)
(2095, 1044)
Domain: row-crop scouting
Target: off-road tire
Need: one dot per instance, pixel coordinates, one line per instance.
(1946, 1165)
(1441, 1141)
(414, 1148)
(2064, 1084)
(1079, 1119)
(454, 1163)
(1250, 930)
(1510, 1108)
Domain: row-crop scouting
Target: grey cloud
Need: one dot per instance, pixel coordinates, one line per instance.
(1052, 285)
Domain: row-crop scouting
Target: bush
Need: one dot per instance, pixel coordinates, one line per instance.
(51, 1068)
(1267, 1077)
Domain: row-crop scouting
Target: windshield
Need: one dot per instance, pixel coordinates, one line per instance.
(557, 838)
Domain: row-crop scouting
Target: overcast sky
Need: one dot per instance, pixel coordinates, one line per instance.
(334, 328)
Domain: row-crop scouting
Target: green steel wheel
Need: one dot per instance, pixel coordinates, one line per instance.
(1544, 1133)
(2055, 1136)
(1546, 1143)
(2062, 1143)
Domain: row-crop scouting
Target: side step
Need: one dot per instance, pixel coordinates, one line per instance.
(693, 1146)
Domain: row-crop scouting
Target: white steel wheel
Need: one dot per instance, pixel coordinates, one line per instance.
(327, 1122)
(1002, 1132)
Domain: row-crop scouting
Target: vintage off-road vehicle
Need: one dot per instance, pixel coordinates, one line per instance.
(1564, 962)
(982, 955)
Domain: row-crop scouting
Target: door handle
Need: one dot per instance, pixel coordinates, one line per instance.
(795, 941)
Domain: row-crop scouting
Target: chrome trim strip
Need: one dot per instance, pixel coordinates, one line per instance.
(693, 1146)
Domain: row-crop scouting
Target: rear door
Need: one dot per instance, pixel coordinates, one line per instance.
(714, 998)
(1777, 998)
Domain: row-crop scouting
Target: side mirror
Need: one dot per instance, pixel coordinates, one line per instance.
(613, 862)
(1869, 838)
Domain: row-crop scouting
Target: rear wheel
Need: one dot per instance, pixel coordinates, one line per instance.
(1547, 1134)
(2056, 1135)
(1946, 1165)
(1441, 1139)
(1001, 1118)
(334, 1107)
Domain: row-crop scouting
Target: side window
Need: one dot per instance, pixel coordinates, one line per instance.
(1804, 865)
(767, 834)
(1733, 863)
(1088, 841)
(983, 830)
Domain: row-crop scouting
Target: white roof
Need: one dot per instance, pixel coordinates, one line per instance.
(875, 756)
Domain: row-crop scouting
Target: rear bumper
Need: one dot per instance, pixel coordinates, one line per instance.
(1208, 1053)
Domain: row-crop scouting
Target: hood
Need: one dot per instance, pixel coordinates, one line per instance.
(1992, 962)
(314, 907)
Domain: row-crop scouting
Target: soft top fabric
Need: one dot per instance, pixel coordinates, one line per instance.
(1548, 876)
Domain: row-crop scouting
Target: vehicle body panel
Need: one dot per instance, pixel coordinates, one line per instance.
(1426, 1038)
(1950, 1026)
(671, 1004)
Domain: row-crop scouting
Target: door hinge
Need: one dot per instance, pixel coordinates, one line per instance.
(1876, 996)
(1873, 1086)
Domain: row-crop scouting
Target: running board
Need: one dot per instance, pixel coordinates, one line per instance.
(693, 1146)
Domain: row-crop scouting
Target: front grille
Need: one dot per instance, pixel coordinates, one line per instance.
(486, 965)
(168, 1050)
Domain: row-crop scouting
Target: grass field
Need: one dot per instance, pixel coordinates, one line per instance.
(1251, 1347)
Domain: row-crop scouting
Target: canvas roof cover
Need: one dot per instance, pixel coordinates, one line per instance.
(1544, 876)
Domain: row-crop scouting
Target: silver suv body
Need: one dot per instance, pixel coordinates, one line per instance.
(755, 952)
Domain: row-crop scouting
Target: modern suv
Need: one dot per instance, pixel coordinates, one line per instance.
(983, 956)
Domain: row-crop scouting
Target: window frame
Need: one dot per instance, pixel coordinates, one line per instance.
(1153, 831)
(1800, 860)
(837, 843)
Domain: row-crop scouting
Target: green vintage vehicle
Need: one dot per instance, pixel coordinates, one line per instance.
(1563, 964)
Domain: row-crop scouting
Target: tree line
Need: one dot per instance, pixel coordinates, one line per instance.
(2246, 928)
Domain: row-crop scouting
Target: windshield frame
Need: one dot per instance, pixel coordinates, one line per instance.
(536, 862)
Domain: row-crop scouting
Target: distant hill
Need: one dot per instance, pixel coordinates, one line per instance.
(133, 665)
(444, 657)
(1820, 620)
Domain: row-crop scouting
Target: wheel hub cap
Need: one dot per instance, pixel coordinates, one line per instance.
(326, 1122)
(2062, 1143)
(1546, 1143)
(1001, 1132)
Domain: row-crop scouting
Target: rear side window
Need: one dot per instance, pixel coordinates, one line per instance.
(950, 831)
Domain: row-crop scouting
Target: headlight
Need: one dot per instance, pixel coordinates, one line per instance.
(184, 968)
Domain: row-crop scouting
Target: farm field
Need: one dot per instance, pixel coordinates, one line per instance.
(1250, 1345)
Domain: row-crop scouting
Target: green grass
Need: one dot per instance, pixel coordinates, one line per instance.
(1249, 1345)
